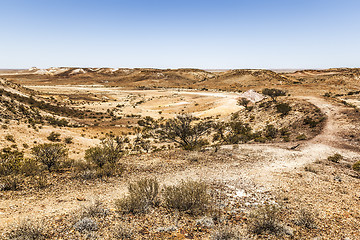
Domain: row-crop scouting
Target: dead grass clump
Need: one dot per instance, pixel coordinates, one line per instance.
(28, 230)
(10, 183)
(225, 233)
(123, 231)
(95, 209)
(143, 194)
(188, 196)
(306, 218)
(266, 220)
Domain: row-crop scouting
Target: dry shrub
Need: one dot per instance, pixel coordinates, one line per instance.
(225, 233)
(28, 230)
(306, 218)
(188, 196)
(95, 209)
(266, 220)
(143, 194)
(10, 183)
(123, 231)
(50, 154)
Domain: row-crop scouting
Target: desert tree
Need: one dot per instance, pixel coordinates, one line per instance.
(273, 93)
(185, 130)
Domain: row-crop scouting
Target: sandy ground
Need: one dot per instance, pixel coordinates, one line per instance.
(153, 103)
(265, 172)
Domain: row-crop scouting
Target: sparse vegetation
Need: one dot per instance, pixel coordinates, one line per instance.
(54, 137)
(108, 152)
(50, 154)
(142, 195)
(306, 218)
(188, 196)
(336, 158)
(265, 219)
(273, 93)
(28, 230)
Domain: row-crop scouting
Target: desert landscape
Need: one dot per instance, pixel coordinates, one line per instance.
(120, 153)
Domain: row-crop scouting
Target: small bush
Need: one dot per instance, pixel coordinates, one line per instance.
(95, 209)
(68, 140)
(265, 220)
(50, 154)
(189, 196)
(10, 183)
(10, 138)
(301, 137)
(335, 158)
(109, 151)
(54, 137)
(29, 167)
(143, 194)
(225, 233)
(28, 230)
(283, 108)
(356, 166)
(306, 219)
(123, 231)
(270, 131)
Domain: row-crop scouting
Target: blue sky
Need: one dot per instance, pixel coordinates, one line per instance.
(180, 33)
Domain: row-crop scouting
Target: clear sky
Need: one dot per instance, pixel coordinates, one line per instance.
(180, 33)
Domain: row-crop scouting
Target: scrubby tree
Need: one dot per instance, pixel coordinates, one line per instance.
(233, 132)
(273, 93)
(185, 130)
(50, 154)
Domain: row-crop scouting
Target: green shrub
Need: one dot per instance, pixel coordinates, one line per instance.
(10, 161)
(335, 158)
(270, 131)
(109, 152)
(50, 154)
(301, 137)
(54, 137)
(68, 140)
(143, 194)
(188, 196)
(273, 93)
(29, 167)
(283, 108)
(10, 138)
(10, 183)
(356, 166)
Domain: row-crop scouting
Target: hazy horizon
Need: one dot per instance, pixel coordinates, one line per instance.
(175, 34)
